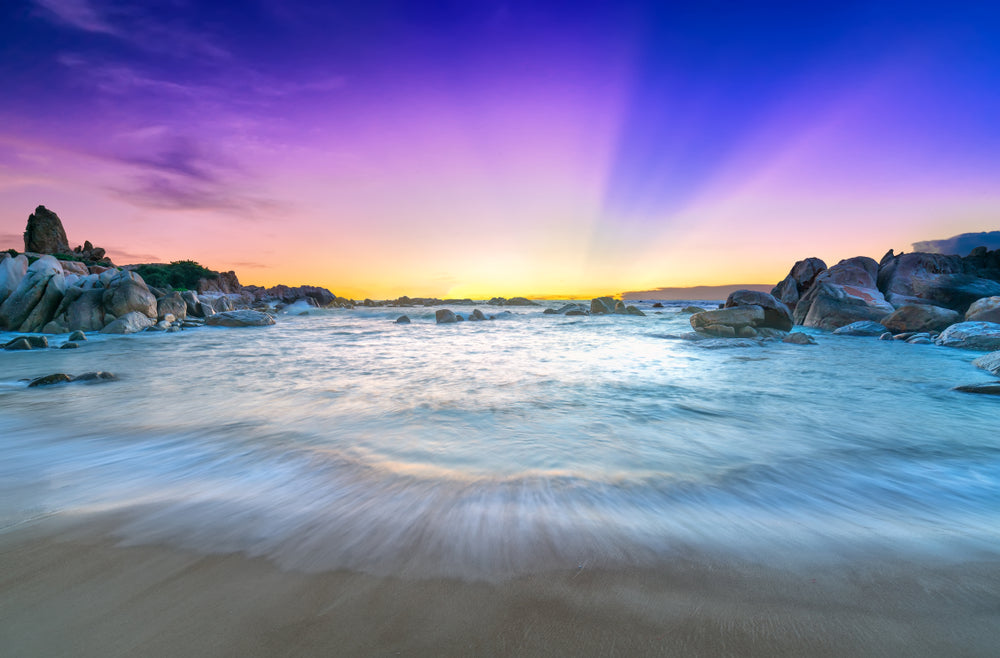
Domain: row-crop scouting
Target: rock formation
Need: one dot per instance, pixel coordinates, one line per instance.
(45, 233)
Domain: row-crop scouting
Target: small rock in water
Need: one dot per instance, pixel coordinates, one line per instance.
(50, 380)
(70, 345)
(861, 328)
(99, 376)
(173, 328)
(990, 388)
(692, 309)
(886, 336)
(403, 319)
(445, 316)
(798, 338)
(576, 311)
(657, 305)
(241, 318)
(77, 336)
(477, 315)
(989, 362)
(18, 344)
(190, 325)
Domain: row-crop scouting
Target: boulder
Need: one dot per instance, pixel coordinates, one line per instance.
(126, 292)
(693, 309)
(36, 298)
(798, 338)
(800, 278)
(45, 234)
(18, 344)
(240, 318)
(862, 328)
(205, 310)
(602, 305)
(477, 315)
(403, 320)
(938, 279)
(74, 267)
(49, 380)
(776, 314)
(444, 316)
(971, 336)
(576, 311)
(69, 345)
(12, 270)
(36, 342)
(632, 310)
(843, 294)
(920, 339)
(191, 301)
(519, 301)
(657, 305)
(130, 323)
(226, 283)
(989, 362)
(171, 304)
(920, 317)
(986, 309)
(99, 376)
(735, 322)
(81, 308)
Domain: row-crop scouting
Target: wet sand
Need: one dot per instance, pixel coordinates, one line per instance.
(71, 590)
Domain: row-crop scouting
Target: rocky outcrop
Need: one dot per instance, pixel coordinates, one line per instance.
(983, 336)
(938, 279)
(130, 323)
(862, 328)
(602, 305)
(36, 298)
(776, 314)
(920, 317)
(986, 309)
(226, 283)
(843, 294)
(798, 281)
(736, 322)
(44, 233)
(82, 307)
(240, 318)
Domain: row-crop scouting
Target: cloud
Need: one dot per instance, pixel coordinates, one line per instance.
(960, 244)
(76, 13)
(123, 256)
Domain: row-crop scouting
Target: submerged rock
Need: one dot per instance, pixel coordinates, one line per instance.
(77, 336)
(798, 338)
(445, 316)
(990, 388)
(403, 320)
(18, 344)
(50, 380)
(99, 376)
(69, 345)
(240, 318)
(971, 336)
(862, 328)
(693, 309)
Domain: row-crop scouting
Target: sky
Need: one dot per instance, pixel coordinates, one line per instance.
(465, 148)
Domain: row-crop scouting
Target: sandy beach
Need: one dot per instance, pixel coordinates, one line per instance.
(70, 590)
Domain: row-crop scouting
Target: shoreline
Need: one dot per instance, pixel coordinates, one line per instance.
(70, 589)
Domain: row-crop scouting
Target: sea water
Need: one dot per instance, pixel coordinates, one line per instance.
(342, 440)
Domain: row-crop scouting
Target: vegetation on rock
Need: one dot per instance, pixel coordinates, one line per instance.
(178, 275)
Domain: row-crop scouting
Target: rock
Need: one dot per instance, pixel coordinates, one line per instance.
(403, 319)
(99, 376)
(18, 344)
(190, 325)
(70, 345)
(45, 234)
(130, 323)
(602, 305)
(576, 311)
(725, 343)
(12, 270)
(693, 309)
(657, 305)
(37, 342)
(171, 304)
(126, 293)
(81, 308)
(920, 317)
(444, 316)
(226, 283)
(632, 310)
(477, 315)
(986, 309)
(36, 298)
(728, 322)
(77, 336)
(971, 336)
(886, 336)
(50, 380)
(191, 301)
(843, 294)
(937, 279)
(800, 278)
(990, 388)
(798, 338)
(519, 301)
(173, 328)
(920, 339)
(862, 328)
(776, 314)
(240, 318)
(205, 310)
(73, 267)
(989, 362)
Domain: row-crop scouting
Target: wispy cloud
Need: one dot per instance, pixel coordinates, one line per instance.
(76, 13)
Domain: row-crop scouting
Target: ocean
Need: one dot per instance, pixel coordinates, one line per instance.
(488, 450)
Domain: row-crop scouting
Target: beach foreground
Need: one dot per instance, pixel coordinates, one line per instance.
(70, 589)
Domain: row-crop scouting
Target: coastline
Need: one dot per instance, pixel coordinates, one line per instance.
(68, 588)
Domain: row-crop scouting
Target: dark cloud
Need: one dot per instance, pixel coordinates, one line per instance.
(181, 156)
(180, 193)
(960, 244)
